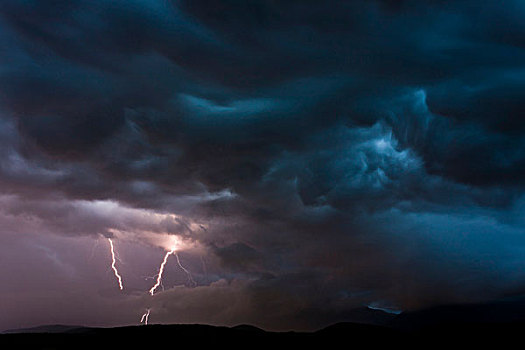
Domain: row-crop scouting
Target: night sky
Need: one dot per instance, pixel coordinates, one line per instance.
(303, 158)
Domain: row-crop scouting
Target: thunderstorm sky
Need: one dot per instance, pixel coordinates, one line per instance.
(306, 158)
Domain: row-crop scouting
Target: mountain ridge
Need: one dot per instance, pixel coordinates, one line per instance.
(489, 323)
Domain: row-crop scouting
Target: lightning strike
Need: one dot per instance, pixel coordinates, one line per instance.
(161, 271)
(113, 261)
(145, 317)
(190, 277)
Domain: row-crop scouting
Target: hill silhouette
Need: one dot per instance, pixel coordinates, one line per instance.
(492, 324)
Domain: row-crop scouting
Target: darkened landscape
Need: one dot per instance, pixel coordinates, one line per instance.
(497, 324)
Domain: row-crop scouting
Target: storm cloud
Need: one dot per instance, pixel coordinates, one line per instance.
(316, 157)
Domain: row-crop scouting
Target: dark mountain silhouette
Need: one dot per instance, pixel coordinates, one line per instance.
(499, 312)
(365, 315)
(55, 328)
(490, 324)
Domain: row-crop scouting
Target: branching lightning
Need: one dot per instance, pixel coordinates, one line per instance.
(161, 271)
(113, 261)
(145, 317)
(190, 277)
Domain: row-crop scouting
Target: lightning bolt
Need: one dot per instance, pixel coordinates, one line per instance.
(161, 271)
(145, 317)
(190, 277)
(113, 260)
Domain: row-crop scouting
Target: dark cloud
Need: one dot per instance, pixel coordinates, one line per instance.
(314, 156)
